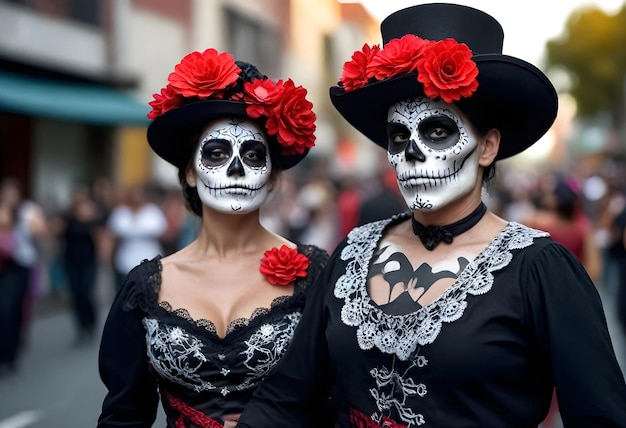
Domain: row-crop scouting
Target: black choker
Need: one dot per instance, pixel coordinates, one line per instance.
(431, 236)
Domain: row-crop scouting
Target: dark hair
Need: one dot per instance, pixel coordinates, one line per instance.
(190, 193)
(566, 200)
(481, 128)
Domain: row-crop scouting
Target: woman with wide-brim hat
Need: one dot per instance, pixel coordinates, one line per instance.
(447, 316)
(203, 326)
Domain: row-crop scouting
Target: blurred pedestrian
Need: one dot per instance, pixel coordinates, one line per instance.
(619, 253)
(349, 196)
(137, 225)
(609, 235)
(18, 282)
(384, 201)
(10, 293)
(560, 213)
(204, 325)
(7, 238)
(318, 199)
(78, 230)
(176, 214)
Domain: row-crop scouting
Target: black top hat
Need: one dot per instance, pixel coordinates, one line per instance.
(180, 117)
(512, 95)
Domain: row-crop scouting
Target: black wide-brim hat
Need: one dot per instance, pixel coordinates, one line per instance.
(513, 95)
(174, 135)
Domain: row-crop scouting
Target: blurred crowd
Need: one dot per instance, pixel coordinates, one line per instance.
(80, 253)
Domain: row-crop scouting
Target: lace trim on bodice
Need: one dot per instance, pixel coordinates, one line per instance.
(400, 334)
(234, 324)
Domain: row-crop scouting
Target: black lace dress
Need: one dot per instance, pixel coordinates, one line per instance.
(147, 348)
(521, 319)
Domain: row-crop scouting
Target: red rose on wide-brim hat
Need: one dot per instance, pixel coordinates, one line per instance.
(209, 85)
(262, 94)
(205, 74)
(293, 120)
(164, 101)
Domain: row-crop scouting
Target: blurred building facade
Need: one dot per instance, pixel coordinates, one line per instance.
(76, 77)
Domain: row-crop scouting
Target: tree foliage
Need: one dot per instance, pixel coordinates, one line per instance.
(592, 51)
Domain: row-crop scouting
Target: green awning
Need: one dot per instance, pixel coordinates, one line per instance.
(75, 102)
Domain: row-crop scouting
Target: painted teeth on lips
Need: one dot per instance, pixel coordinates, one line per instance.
(236, 187)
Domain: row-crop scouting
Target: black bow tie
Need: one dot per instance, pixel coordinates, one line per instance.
(431, 236)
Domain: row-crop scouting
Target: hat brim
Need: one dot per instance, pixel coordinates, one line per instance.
(174, 135)
(513, 96)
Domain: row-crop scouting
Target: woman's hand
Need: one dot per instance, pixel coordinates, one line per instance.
(230, 421)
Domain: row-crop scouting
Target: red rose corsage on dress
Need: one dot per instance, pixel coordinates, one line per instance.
(281, 266)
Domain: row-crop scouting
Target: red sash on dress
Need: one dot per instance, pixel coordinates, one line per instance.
(361, 420)
(194, 416)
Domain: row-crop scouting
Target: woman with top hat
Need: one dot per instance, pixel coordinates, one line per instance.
(447, 316)
(202, 327)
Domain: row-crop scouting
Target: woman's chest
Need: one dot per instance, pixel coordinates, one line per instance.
(226, 294)
(192, 355)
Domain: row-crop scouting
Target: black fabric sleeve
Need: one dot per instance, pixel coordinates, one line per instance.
(132, 398)
(296, 392)
(570, 325)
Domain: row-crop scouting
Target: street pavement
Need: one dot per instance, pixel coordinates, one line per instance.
(57, 384)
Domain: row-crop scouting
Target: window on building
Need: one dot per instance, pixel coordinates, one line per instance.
(85, 11)
(253, 42)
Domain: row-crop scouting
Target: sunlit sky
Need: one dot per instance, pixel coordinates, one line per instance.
(527, 25)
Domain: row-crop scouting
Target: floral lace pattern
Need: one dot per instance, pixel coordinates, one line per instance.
(266, 346)
(176, 355)
(183, 358)
(394, 388)
(401, 334)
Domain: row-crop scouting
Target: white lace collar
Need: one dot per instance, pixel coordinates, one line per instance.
(400, 334)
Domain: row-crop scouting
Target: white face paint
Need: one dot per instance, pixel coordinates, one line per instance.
(232, 166)
(433, 152)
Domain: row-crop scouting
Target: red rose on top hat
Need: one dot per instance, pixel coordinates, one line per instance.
(398, 56)
(445, 68)
(355, 71)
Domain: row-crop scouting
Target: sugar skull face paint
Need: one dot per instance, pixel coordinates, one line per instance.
(232, 166)
(433, 152)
